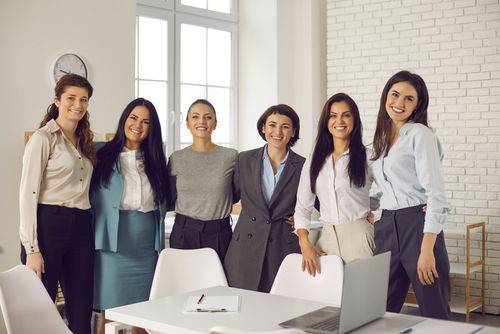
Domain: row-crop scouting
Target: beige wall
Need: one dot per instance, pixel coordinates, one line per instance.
(32, 33)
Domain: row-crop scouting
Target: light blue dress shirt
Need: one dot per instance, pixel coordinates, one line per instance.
(268, 179)
(411, 175)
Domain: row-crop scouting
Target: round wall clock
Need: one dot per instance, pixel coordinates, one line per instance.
(64, 64)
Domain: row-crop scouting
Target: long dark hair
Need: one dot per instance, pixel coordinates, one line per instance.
(383, 132)
(83, 131)
(155, 163)
(357, 165)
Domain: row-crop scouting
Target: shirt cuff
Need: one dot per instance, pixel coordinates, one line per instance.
(433, 223)
(30, 249)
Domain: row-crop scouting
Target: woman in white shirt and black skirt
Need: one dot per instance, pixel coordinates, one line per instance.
(407, 163)
(56, 227)
(340, 174)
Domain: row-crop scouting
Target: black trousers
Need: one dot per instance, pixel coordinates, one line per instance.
(401, 232)
(66, 243)
(189, 233)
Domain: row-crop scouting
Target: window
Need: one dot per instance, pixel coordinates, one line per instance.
(187, 50)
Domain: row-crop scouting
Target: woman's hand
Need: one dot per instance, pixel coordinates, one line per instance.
(289, 220)
(371, 217)
(426, 265)
(309, 260)
(35, 262)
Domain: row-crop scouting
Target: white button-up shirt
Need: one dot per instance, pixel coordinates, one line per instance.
(54, 173)
(339, 201)
(137, 192)
(411, 175)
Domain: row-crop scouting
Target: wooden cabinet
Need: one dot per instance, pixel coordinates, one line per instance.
(467, 268)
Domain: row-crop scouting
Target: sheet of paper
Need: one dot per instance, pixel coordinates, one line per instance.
(229, 303)
(439, 326)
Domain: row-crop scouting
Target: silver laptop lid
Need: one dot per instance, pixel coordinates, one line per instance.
(364, 294)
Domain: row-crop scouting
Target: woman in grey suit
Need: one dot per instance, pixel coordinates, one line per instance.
(266, 181)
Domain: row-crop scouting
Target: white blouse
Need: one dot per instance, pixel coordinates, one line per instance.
(137, 192)
(340, 202)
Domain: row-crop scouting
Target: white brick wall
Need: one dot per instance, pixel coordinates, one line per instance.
(455, 46)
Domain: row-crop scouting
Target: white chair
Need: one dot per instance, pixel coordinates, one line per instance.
(183, 270)
(326, 287)
(225, 330)
(26, 305)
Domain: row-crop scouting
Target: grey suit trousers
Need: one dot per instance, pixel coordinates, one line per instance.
(401, 232)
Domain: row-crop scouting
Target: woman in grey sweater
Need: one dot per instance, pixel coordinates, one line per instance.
(200, 180)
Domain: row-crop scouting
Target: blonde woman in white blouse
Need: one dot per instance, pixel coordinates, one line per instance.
(128, 196)
(56, 227)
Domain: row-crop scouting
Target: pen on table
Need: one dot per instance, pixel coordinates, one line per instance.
(199, 301)
(406, 331)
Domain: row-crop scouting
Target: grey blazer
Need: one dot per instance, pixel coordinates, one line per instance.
(261, 238)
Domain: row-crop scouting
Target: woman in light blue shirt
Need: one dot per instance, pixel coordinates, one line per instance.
(407, 164)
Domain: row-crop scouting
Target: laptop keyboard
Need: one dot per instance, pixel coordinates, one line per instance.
(328, 325)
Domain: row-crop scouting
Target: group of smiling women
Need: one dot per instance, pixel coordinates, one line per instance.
(92, 214)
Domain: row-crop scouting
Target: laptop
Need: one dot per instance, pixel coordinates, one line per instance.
(364, 299)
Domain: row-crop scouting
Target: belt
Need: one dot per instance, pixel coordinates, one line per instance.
(405, 211)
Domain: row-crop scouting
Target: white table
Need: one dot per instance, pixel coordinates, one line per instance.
(259, 312)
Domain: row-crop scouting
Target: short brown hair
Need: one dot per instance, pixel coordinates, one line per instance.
(284, 110)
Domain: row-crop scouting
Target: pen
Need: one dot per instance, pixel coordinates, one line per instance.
(406, 331)
(199, 301)
(210, 310)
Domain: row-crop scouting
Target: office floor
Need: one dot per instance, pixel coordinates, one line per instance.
(475, 318)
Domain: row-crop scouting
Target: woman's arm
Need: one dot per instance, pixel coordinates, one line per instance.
(36, 156)
(302, 220)
(428, 157)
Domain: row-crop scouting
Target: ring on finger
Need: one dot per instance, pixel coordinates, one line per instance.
(429, 273)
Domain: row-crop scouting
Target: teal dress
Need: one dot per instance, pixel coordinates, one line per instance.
(127, 244)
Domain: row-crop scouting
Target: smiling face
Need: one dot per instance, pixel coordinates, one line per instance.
(278, 129)
(201, 120)
(73, 104)
(341, 122)
(402, 100)
(136, 127)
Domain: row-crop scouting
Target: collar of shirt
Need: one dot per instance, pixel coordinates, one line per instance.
(269, 180)
(54, 127)
(405, 128)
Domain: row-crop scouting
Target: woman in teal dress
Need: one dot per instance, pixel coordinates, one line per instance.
(128, 196)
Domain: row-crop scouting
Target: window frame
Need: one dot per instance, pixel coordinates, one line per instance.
(233, 89)
(176, 14)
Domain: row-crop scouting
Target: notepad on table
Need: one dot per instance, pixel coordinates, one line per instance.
(212, 304)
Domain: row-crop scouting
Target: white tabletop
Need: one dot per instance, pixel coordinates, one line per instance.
(260, 312)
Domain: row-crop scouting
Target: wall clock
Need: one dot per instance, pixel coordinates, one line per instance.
(64, 64)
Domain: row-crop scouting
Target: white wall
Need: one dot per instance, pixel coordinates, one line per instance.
(454, 45)
(32, 33)
(282, 60)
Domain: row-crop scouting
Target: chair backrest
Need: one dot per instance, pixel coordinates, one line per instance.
(26, 305)
(326, 287)
(183, 270)
(225, 330)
